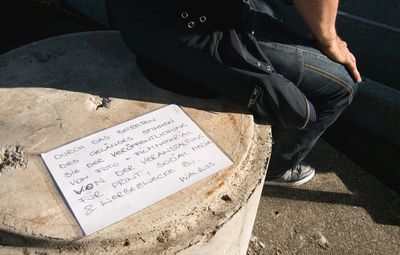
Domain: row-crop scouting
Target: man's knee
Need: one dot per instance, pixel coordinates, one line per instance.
(327, 79)
(343, 78)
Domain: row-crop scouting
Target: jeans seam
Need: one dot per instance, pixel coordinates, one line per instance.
(332, 77)
(308, 113)
(301, 68)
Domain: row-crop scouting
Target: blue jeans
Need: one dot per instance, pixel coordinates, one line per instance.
(326, 84)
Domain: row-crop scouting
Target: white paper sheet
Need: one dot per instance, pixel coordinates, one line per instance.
(114, 173)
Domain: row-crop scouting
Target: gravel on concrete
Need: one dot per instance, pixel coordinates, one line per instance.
(343, 210)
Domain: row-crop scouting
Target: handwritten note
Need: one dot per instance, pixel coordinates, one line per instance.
(112, 174)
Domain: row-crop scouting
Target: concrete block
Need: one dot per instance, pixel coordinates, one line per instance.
(52, 93)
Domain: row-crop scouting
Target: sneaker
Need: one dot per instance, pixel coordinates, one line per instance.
(297, 175)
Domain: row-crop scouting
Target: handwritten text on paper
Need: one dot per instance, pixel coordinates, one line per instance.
(112, 174)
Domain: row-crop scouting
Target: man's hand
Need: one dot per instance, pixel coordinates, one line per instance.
(337, 51)
(320, 16)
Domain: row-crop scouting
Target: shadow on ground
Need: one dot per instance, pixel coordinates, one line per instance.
(359, 188)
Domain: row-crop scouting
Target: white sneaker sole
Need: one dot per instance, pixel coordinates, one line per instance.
(290, 184)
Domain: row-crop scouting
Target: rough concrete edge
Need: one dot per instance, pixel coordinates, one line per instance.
(254, 152)
(237, 244)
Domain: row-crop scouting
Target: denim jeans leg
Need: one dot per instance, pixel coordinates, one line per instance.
(326, 84)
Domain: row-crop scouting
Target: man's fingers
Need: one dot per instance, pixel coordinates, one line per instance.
(354, 71)
(357, 76)
(352, 66)
(352, 57)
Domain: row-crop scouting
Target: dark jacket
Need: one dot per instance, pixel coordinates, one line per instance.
(210, 43)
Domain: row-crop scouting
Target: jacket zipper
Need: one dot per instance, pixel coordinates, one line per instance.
(254, 96)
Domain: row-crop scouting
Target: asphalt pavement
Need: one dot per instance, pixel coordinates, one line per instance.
(342, 210)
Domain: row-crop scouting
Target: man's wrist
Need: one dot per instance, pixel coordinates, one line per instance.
(326, 40)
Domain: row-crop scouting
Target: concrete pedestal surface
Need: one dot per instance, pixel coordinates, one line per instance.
(58, 90)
